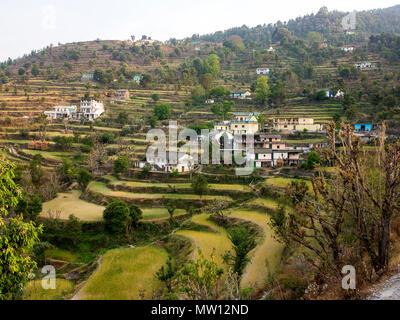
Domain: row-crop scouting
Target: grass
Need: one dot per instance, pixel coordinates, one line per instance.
(103, 189)
(209, 243)
(256, 272)
(281, 182)
(59, 156)
(125, 274)
(35, 291)
(69, 203)
(266, 203)
(160, 213)
(59, 254)
(185, 186)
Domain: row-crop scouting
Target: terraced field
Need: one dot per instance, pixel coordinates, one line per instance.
(266, 256)
(102, 188)
(125, 274)
(215, 242)
(69, 203)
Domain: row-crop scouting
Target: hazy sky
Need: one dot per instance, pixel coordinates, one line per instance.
(34, 24)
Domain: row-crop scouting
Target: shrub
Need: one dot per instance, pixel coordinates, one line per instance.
(116, 216)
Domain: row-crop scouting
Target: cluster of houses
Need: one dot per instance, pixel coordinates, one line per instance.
(89, 110)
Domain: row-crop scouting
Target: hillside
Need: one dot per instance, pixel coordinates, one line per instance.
(326, 22)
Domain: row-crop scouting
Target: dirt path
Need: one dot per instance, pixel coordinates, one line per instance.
(78, 295)
(387, 290)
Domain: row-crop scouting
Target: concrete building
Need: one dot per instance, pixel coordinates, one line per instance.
(122, 94)
(62, 112)
(296, 124)
(347, 49)
(87, 76)
(262, 71)
(363, 65)
(240, 95)
(184, 163)
(363, 127)
(91, 110)
(243, 123)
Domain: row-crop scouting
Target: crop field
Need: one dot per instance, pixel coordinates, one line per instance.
(150, 214)
(102, 188)
(215, 242)
(178, 186)
(69, 203)
(265, 256)
(282, 182)
(125, 274)
(35, 291)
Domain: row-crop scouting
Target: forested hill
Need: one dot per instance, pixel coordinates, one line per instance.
(328, 23)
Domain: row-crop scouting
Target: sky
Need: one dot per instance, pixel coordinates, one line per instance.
(27, 25)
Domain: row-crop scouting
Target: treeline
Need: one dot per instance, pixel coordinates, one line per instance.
(328, 23)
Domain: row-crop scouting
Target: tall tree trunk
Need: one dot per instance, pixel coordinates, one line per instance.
(384, 243)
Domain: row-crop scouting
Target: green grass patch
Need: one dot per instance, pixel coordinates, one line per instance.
(35, 291)
(125, 274)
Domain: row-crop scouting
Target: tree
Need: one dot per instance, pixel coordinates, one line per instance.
(198, 94)
(200, 279)
(171, 207)
(35, 169)
(166, 274)
(243, 242)
(121, 165)
(200, 185)
(145, 81)
(206, 81)
(222, 109)
(212, 64)
(123, 118)
(155, 97)
(116, 216)
(16, 240)
(348, 215)
(162, 111)
(30, 206)
(63, 143)
(262, 90)
(135, 213)
(84, 178)
(315, 38)
(217, 92)
(35, 70)
(313, 158)
(235, 42)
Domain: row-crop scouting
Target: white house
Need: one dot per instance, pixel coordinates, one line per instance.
(62, 112)
(210, 101)
(347, 49)
(262, 71)
(363, 65)
(91, 110)
(184, 163)
(240, 95)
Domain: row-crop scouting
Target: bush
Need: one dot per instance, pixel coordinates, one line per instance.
(121, 165)
(116, 216)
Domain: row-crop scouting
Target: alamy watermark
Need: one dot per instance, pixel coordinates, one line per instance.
(49, 280)
(349, 22)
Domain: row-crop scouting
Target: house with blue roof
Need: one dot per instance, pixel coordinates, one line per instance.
(363, 127)
(243, 123)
